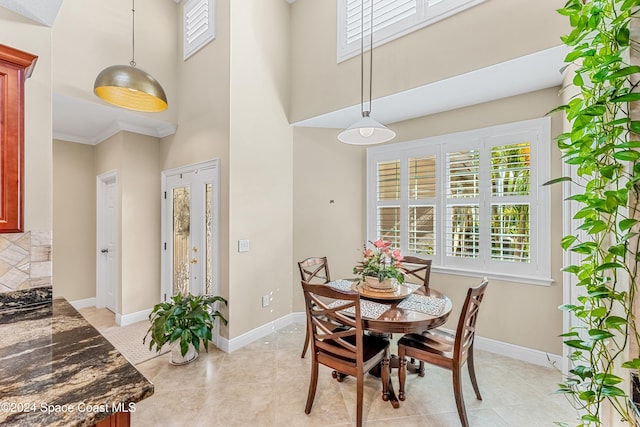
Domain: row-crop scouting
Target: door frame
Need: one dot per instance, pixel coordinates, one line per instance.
(102, 181)
(214, 164)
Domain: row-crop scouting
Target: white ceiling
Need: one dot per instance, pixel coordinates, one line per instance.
(88, 122)
(41, 11)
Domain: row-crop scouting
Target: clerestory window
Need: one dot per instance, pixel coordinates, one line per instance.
(392, 19)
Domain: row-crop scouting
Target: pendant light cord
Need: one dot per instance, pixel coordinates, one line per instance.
(362, 57)
(133, 33)
(371, 57)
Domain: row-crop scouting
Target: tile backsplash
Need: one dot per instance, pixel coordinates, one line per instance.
(25, 260)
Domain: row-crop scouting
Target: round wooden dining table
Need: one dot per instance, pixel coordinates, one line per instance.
(397, 320)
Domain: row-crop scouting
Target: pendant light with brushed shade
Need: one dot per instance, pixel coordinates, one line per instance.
(366, 131)
(129, 87)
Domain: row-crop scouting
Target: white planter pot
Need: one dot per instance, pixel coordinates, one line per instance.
(176, 357)
(385, 285)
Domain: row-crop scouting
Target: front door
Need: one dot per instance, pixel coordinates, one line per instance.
(189, 230)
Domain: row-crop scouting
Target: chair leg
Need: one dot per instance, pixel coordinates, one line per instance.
(421, 369)
(359, 397)
(402, 373)
(457, 391)
(313, 383)
(472, 373)
(385, 376)
(306, 344)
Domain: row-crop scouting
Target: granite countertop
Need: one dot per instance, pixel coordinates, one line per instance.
(58, 370)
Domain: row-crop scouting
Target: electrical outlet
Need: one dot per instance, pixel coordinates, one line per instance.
(265, 300)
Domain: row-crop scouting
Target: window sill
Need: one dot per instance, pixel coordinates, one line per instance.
(505, 277)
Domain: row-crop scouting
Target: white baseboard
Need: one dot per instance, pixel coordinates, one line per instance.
(83, 303)
(128, 319)
(525, 354)
(229, 346)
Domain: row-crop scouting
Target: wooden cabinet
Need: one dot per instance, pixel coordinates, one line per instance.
(119, 419)
(15, 67)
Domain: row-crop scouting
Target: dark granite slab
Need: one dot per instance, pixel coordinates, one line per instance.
(58, 370)
(25, 298)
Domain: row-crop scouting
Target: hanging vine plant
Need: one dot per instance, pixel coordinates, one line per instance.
(602, 145)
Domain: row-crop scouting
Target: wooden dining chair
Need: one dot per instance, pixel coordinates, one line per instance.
(338, 340)
(447, 351)
(420, 269)
(313, 270)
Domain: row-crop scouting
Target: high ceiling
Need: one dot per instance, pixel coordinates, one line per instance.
(88, 122)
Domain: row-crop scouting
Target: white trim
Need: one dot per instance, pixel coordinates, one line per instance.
(513, 351)
(525, 354)
(131, 318)
(83, 303)
(229, 346)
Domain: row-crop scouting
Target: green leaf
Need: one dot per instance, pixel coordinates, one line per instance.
(615, 322)
(609, 266)
(599, 334)
(629, 97)
(632, 364)
(578, 344)
(626, 224)
(612, 391)
(557, 180)
(627, 155)
(626, 71)
(567, 241)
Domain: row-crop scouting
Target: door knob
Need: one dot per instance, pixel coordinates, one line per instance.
(104, 251)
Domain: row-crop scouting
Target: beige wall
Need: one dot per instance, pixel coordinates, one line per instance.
(136, 158)
(74, 230)
(90, 35)
(325, 170)
(20, 33)
(260, 182)
(492, 32)
(140, 237)
(203, 122)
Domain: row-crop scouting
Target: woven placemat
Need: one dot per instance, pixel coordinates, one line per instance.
(423, 304)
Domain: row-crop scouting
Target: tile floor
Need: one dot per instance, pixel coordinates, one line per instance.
(266, 383)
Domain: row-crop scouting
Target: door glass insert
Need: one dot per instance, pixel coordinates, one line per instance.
(209, 234)
(181, 239)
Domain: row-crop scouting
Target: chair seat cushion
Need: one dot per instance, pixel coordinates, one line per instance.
(373, 346)
(435, 342)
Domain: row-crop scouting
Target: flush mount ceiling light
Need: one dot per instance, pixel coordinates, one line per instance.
(129, 87)
(366, 131)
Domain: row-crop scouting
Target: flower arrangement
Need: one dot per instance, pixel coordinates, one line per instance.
(381, 262)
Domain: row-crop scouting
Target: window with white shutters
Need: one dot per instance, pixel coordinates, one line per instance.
(391, 19)
(199, 25)
(473, 202)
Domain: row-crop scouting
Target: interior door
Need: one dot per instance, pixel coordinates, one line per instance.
(188, 231)
(107, 235)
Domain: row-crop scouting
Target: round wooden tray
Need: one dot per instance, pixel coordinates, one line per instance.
(403, 291)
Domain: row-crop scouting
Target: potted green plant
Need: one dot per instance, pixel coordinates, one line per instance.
(184, 322)
(381, 267)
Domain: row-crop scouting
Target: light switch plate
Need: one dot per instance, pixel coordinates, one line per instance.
(243, 245)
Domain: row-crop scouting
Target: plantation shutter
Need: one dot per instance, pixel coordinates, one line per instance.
(462, 221)
(510, 192)
(388, 201)
(199, 25)
(386, 13)
(422, 204)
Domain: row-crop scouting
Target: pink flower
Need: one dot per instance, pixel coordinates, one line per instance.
(379, 244)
